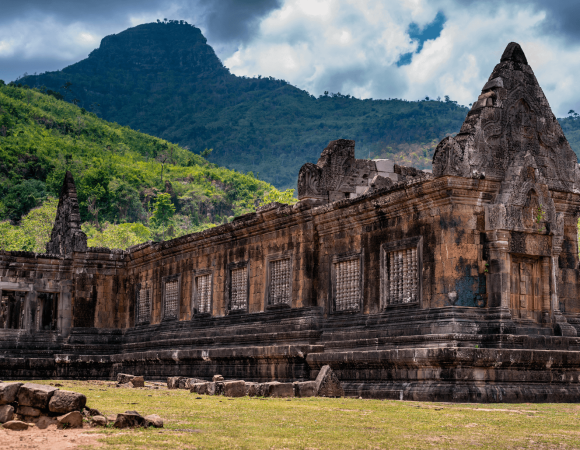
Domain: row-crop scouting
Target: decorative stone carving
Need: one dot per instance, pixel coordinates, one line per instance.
(171, 303)
(143, 304)
(280, 282)
(402, 275)
(239, 289)
(203, 294)
(66, 236)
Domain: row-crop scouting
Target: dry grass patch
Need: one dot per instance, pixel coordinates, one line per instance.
(319, 423)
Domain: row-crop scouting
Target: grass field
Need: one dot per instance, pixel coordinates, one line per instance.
(205, 422)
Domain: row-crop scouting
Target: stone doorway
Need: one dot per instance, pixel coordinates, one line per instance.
(526, 288)
(12, 309)
(47, 311)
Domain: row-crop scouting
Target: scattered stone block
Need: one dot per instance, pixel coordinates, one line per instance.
(175, 382)
(99, 421)
(281, 390)
(66, 401)
(202, 388)
(8, 392)
(90, 412)
(130, 419)
(28, 411)
(219, 388)
(252, 389)
(71, 420)
(123, 378)
(234, 388)
(6, 413)
(217, 378)
(328, 384)
(304, 389)
(189, 382)
(35, 395)
(16, 425)
(44, 422)
(264, 388)
(154, 420)
(138, 382)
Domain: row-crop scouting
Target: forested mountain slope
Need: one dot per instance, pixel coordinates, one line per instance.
(163, 79)
(122, 176)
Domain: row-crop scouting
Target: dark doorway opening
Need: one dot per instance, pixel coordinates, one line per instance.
(12, 310)
(48, 310)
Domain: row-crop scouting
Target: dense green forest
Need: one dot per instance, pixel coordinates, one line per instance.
(165, 80)
(131, 187)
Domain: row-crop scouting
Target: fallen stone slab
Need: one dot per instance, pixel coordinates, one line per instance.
(138, 382)
(8, 392)
(189, 382)
(6, 413)
(174, 382)
(16, 425)
(66, 401)
(90, 412)
(99, 421)
(217, 378)
(234, 388)
(123, 378)
(304, 389)
(281, 390)
(44, 422)
(203, 388)
(252, 389)
(264, 388)
(154, 420)
(71, 420)
(28, 411)
(35, 395)
(328, 384)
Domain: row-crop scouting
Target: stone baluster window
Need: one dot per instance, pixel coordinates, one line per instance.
(280, 282)
(239, 289)
(401, 268)
(347, 284)
(171, 297)
(143, 304)
(202, 298)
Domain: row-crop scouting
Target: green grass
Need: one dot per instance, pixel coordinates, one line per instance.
(320, 423)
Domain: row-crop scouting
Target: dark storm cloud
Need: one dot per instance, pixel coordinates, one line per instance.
(234, 20)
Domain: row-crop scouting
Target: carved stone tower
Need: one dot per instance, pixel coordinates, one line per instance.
(511, 137)
(67, 236)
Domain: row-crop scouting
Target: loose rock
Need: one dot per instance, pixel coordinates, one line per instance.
(217, 378)
(328, 384)
(123, 378)
(35, 395)
(251, 389)
(281, 390)
(305, 389)
(71, 420)
(138, 382)
(234, 388)
(28, 411)
(16, 425)
(130, 419)
(8, 392)
(66, 401)
(44, 422)
(6, 413)
(154, 420)
(99, 421)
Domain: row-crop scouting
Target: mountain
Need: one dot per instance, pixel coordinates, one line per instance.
(122, 176)
(165, 80)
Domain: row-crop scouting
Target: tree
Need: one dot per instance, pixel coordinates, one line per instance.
(286, 197)
(163, 212)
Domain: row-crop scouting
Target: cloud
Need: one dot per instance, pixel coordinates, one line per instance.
(377, 48)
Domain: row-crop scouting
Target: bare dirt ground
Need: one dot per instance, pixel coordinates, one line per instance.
(48, 439)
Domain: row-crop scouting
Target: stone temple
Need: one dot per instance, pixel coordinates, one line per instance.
(455, 285)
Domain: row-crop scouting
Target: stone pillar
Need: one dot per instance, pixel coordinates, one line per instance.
(561, 325)
(499, 269)
(546, 282)
(64, 322)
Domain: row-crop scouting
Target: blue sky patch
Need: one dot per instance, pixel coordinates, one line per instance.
(430, 31)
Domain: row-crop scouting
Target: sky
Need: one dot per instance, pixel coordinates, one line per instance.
(380, 49)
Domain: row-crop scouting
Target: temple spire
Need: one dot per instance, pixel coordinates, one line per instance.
(67, 236)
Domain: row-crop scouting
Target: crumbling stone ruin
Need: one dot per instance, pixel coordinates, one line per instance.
(460, 285)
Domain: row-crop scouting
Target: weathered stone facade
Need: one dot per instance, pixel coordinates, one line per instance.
(460, 285)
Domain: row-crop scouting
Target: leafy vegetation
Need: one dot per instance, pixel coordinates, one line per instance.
(163, 78)
(217, 422)
(122, 176)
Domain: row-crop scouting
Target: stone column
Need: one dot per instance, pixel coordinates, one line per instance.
(546, 281)
(499, 269)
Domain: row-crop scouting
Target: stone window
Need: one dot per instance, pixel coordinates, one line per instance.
(143, 313)
(238, 289)
(47, 311)
(12, 306)
(280, 282)
(347, 283)
(202, 293)
(171, 297)
(401, 268)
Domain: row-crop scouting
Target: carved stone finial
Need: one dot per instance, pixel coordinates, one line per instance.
(513, 52)
(66, 236)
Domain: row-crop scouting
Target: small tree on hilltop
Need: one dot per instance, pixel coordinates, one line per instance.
(163, 212)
